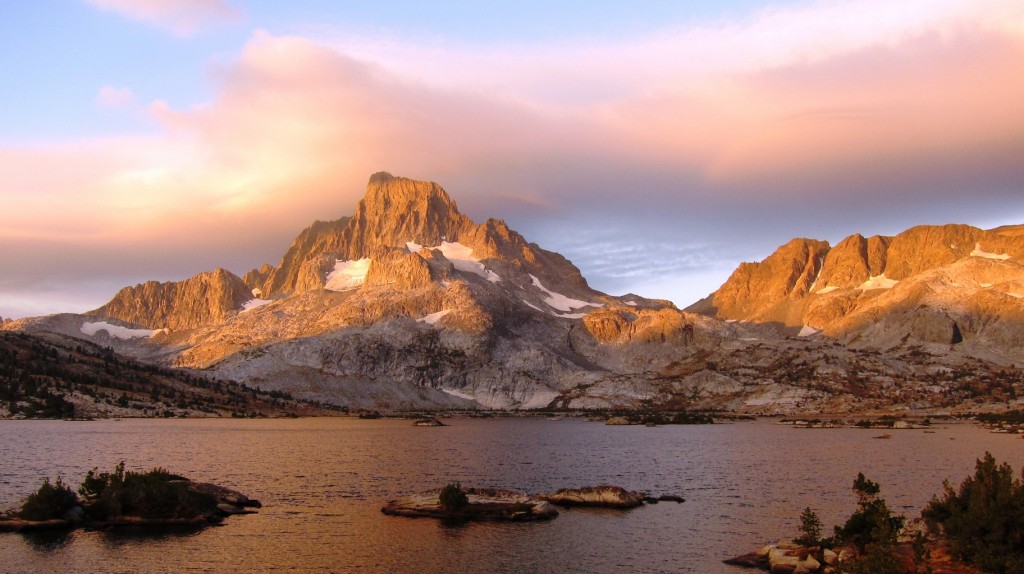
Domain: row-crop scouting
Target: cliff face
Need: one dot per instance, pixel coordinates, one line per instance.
(204, 299)
(950, 284)
(397, 212)
(772, 290)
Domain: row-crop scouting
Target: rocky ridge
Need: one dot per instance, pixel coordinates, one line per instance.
(408, 304)
(950, 285)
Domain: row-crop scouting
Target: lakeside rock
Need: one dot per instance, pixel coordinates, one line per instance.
(604, 496)
(428, 422)
(482, 504)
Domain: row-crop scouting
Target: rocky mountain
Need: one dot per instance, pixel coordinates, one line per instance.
(409, 304)
(947, 285)
(206, 298)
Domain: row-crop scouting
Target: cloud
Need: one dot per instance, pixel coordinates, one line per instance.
(835, 118)
(113, 97)
(182, 17)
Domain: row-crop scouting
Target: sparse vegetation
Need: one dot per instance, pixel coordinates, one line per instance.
(810, 528)
(51, 501)
(153, 494)
(983, 520)
(452, 497)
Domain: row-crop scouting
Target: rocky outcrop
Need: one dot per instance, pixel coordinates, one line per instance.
(204, 299)
(597, 496)
(486, 504)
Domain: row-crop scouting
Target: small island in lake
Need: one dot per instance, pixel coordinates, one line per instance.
(452, 502)
(126, 498)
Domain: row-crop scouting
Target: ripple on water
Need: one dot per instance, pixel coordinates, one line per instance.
(322, 482)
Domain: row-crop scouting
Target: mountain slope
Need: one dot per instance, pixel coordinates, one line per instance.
(47, 375)
(943, 285)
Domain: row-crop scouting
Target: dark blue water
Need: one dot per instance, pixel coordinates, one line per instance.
(323, 481)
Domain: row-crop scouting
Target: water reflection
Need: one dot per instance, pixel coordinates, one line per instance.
(322, 482)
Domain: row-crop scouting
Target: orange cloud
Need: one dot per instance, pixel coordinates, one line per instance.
(823, 100)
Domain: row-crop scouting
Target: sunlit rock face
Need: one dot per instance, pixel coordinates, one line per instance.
(207, 298)
(408, 304)
(949, 284)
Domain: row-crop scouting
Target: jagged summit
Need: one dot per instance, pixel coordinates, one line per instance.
(398, 213)
(209, 297)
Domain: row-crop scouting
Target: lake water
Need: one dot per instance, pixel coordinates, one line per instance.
(323, 481)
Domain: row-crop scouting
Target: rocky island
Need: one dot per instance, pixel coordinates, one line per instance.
(126, 498)
(452, 502)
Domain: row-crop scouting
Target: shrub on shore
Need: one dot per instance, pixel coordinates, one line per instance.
(50, 501)
(983, 520)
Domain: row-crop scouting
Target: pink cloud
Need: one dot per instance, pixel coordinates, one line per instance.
(179, 16)
(685, 119)
(114, 97)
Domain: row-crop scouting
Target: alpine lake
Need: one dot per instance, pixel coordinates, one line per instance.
(322, 482)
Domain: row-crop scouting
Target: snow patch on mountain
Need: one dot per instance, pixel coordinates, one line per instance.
(979, 253)
(461, 257)
(347, 274)
(459, 394)
(561, 302)
(828, 289)
(807, 331)
(433, 317)
(878, 282)
(254, 303)
(118, 331)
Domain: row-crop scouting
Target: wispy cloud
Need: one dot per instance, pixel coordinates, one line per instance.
(115, 97)
(181, 17)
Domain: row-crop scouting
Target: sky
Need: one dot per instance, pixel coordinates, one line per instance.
(656, 144)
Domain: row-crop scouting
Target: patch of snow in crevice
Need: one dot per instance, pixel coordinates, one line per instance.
(534, 307)
(255, 303)
(749, 339)
(433, 317)
(559, 301)
(819, 265)
(827, 289)
(459, 394)
(984, 285)
(878, 282)
(461, 257)
(347, 274)
(631, 303)
(257, 292)
(118, 331)
(1016, 295)
(807, 331)
(979, 253)
(570, 315)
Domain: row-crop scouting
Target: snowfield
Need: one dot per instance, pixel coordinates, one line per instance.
(117, 331)
(348, 274)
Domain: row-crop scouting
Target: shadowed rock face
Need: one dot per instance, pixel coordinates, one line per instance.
(207, 298)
